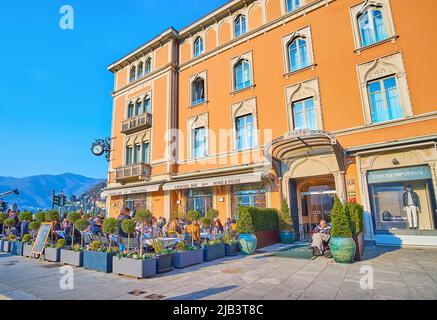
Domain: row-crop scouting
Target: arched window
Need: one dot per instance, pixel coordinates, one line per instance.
(240, 25)
(292, 5)
(148, 67)
(138, 107)
(242, 75)
(199, 142)
(198, 46)
(244, 134)
(140, 70)
(132, 73)
(147, 106)
(371, 26)
(130, 110)
(198, 91)
(297, 54)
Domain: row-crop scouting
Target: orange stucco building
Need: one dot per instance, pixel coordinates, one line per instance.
(299, 99)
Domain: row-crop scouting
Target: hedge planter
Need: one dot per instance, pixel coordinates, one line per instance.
(214, 252)
(187, 258)
(52, 254)
(99, 261)
(16, 248)
(247, 243)
(72, 258)
(27, 249)
(5, 245)
(286, 237)
(266, 238)
(231, 249)
(134, 267)
(163, 263)
(342, 249)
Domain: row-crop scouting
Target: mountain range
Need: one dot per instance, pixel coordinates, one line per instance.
(36, 191)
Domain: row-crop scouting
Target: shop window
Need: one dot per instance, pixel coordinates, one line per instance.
(199, 142)
(135, 202)
(244, 134)
(128, 158)
(198, 91)
(297, 54)
(304, 115)
(240, 25)
(248, 196)
(198, 46)
(292, 5)
(384, 100)
(200, 200)
(242, 74)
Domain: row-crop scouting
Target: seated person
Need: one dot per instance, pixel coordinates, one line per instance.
(194, 230)
(174, 229)
(320, 237)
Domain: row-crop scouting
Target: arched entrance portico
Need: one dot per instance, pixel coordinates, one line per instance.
(310, 167)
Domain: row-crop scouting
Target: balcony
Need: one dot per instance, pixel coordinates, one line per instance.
(141, 122)
(138, 171)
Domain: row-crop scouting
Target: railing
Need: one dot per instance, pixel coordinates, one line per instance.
(141, 122)
(139, 171)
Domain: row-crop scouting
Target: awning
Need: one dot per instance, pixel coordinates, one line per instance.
(214, 181)
(131, 190)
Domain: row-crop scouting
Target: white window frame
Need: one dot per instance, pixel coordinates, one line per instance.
(242, 30)
(304, 33)
(202, 49)
(243, 108)
(234, 61)
(204, 76)
(199, 121)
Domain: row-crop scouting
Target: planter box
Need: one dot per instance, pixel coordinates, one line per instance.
(163, 263)
(231, 249)
(73, 258)
(266, 238)
(134, 267)
(52, 254)
(187, 258)
(27, 249)
(16, 248)
(216, 251)
(99, 261)
(360, 244)
(5, 245)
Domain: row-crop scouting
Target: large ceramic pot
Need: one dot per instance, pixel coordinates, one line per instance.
(134, 267)
(99, 261)
(71, 257)
(286, 237)
(247, 243)
(52, 254)
(231, 249)
(163, 263)
(212, 252)
(342, 249)
(187, 258)
(16, 248)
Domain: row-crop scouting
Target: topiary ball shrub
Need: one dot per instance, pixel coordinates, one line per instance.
(81, 224)
(61, 243)
(40, 216)
(34, 225)
(143, 216)
(9, 222)
(128, 226)
(95, 245)
(25, 216)
(51, 215)
(110, 226)
(212, 214)
(26, 238)
(73, 216)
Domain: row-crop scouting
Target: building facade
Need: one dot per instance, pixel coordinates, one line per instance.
(294, 99)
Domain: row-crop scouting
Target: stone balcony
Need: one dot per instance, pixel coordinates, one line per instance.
(138, 123)
(137, 171)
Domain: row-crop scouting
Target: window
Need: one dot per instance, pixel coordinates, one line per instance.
(137, 153)
(292, 5)
(138, 108)
(130, 110)
(197, 91)
(140, 70)
(200, 200)
(146, 152)
(148, 67)
(199, 142)
(242, 75)
(244, 128)
(304, 115)
(128, 155)
(372, 27)
(297, 54)
(147, 106)
(198, 46)
(240, 25)
(132, 73)
(384, 100)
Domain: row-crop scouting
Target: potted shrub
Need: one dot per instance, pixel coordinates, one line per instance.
(25, 217)
(247, 240)
(3, 217)
(97, 257)
(231, 244)
(51, 216)
(9, 223)
(27, 245)
(73, 217)
(286, 229)
(128, 227)
(52, 252)
(81, 225)
(15, 246)
(72, 256)
(342, 245)
(356, 212)
(40, 216)
(185, 256)
(142, 217)
(163, 256)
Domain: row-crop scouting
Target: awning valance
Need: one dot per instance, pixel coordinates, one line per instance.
(130, 190)
(214, 181)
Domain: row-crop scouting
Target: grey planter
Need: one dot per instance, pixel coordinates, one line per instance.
(73, 258)
(99, 261)
(163, 263)
(16, 248)
(134, 267)
(213, 252)
(27, 249)
(52, 254)
(231, 249)
(187, 258)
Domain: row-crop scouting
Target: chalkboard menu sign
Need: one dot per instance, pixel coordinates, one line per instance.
(41, 239)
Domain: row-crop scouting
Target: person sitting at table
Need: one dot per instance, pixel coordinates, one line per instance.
(173, 228)
(67, 234)
(217, 228)
(96, 228)
(193, 229)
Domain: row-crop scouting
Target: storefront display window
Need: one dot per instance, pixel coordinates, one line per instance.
(200, 200)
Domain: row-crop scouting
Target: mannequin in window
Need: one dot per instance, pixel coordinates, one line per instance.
(411, 205)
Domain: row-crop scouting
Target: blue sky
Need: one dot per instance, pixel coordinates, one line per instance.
(55, 87)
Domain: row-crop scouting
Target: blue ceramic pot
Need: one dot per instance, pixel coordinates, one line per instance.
(247, 243)
(342, 249)
(287, 237)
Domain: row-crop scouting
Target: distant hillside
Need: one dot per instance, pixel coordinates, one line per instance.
(35, 191)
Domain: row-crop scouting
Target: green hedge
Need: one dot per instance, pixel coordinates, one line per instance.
(261, 219)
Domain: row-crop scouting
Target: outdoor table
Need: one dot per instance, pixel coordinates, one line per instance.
(208, 236)
(168, 242)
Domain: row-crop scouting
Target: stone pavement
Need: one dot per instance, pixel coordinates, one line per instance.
(407, 273)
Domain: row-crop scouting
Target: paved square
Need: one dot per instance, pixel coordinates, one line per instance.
(407, 273)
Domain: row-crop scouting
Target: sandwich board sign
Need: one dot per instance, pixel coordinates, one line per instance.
(41, 239)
